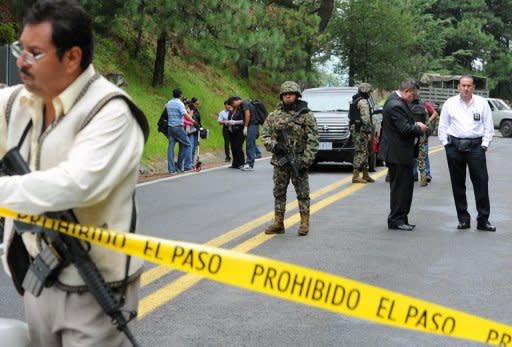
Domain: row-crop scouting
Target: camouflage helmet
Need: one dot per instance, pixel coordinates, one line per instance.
(365, 88)
(290, 87)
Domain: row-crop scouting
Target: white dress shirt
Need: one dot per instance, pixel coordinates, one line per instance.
(466, 120)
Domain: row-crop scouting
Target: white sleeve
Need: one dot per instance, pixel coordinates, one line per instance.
(488, 125)
(444, 123)
(103, 154)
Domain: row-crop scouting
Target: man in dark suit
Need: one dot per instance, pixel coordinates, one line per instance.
(397, 149)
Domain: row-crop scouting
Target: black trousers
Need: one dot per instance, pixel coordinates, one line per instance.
(401, 185)
(225, 135)
(476, 162)
(236, 140)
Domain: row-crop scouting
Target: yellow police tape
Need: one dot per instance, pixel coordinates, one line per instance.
(289, 282)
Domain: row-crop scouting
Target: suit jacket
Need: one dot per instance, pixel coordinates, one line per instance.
(398, 132)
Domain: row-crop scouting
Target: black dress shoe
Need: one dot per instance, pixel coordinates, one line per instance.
(486, 227)
(463, 225)
(403, 227)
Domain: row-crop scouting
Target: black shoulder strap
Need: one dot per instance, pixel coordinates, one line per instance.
(356, 101)
(25, 132)
(301, 111)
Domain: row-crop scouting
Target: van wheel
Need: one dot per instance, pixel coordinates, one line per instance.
(506, 128)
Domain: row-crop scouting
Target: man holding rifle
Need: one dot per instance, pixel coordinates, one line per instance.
(81, 139)
(290, 133)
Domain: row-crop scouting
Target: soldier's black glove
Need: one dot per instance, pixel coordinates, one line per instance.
(280, 149)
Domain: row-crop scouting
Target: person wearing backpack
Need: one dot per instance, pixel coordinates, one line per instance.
(361, 129)
(251, 129)
(235, 124)
(176, 111)
(261, 114)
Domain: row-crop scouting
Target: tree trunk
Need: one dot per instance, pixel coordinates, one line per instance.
(158, 72)
(325, 13)
(243, 68)
(140, 30)
(308, 64)
(138, 43)
(351, 79)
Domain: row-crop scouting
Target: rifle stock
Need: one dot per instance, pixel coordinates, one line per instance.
(291, 158)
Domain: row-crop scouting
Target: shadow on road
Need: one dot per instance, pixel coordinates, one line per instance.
(331, 167)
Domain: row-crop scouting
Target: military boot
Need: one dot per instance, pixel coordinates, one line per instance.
(304, 224)
(424, 182)
(356, 178)
(278, 226)
(367, 177)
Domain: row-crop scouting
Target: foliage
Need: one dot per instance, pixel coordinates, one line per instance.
(19, 7)
(7, 33)
(212, 85)
(374, 41)
(382, 41)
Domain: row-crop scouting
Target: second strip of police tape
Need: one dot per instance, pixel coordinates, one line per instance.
(290, 282)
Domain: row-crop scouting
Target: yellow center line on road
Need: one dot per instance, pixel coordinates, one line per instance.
(168, 292)
(158, 272)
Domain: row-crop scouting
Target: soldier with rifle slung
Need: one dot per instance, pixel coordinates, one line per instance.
(73, 143)
(361, 130)
(290, 133)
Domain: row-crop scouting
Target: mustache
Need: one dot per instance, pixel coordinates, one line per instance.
(24, 71)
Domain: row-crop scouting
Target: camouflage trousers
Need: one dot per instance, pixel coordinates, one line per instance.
(360, 140)
(422, 157)
(282, 177)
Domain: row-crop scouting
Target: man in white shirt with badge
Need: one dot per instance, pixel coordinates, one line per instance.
(466, 129)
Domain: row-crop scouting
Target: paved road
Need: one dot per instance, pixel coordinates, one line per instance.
(468, 271)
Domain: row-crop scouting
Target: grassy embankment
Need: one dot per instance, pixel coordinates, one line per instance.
(212, 85)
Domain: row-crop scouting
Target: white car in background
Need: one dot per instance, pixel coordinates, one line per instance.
(501, 116)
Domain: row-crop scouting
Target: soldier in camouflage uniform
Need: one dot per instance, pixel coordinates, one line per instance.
(292, 116)
(361, 133)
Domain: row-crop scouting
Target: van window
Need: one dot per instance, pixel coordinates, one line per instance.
(328, 102)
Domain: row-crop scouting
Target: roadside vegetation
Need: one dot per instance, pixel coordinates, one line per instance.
(212, 85)
(216, 48)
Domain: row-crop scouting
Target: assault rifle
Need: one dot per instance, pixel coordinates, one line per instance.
(61, 251)
(290, 157)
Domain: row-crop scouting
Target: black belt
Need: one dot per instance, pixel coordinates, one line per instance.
(472, 139)
(464, 144)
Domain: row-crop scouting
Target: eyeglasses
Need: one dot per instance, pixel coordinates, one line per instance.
(30, 58)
